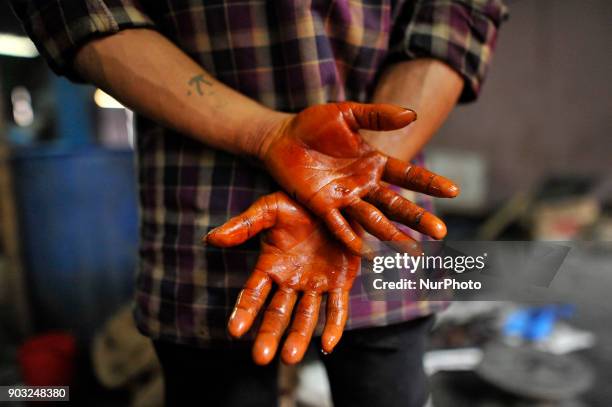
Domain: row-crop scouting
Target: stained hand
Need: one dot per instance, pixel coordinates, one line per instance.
(299, 256)
(319, 158)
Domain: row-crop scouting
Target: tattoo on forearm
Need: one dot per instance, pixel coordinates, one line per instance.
(198, 82)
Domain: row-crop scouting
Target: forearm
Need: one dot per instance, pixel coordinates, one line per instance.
(160, 81)
(429, 87)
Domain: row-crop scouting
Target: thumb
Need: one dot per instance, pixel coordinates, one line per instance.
(259, 216)
(377, 116)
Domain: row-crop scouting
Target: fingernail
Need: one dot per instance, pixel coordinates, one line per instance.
(207, 236)
(433, 226)
(262, 355)
(289, 355)
(453, 191)
(411, 110)
(236, 327)
(328, 344)
(440, 231)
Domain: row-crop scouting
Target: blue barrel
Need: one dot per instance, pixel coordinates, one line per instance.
(79, 233)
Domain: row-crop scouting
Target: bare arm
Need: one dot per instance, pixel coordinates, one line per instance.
(162, 82)
(429, 87)
(149, 74)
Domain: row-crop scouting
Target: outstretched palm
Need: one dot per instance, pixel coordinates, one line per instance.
(319, 157)
(299, 256)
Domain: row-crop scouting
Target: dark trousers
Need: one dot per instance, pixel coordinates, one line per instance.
(370, 367)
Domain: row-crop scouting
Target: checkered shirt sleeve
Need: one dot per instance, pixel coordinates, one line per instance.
(461, 33)
(60, 27)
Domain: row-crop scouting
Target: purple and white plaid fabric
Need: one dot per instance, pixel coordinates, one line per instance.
(286, 54)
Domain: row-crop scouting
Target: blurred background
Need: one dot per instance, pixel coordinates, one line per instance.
(533, 157)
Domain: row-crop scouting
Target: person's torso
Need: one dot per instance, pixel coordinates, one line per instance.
(287, 55)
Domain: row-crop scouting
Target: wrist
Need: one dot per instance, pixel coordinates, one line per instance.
(266, 131)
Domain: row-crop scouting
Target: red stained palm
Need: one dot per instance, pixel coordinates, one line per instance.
(320, 159)
(300, 256)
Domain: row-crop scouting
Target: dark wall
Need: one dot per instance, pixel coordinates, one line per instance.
(547, 103)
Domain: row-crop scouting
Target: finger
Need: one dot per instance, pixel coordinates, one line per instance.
(379, 116)
(418, 179)
(249, 302)
(401, 210)
(259, 216)
(375, 222)
(335, 320)
(302, 328)
(342, 230)
(275, 322)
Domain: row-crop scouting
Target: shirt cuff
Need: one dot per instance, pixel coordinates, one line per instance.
(461, 33)
(60, 28)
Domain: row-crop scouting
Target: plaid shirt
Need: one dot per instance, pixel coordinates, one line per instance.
(287, 55)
